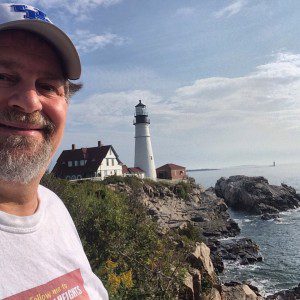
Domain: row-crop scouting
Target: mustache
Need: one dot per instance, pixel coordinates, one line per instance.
(35, 118)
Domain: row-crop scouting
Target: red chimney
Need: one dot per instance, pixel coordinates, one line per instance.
(73, 146)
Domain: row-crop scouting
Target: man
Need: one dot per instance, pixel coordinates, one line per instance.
(41, 256)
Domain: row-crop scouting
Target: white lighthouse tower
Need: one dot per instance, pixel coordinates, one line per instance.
(143, 157)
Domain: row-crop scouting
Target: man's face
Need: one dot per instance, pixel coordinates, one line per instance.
(32, 104)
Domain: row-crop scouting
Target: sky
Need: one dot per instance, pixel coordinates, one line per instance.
(220, 78)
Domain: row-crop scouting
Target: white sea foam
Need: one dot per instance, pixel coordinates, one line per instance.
(283, 223)
(247, 220)
(286, 213)
(235, 264)
(227, 238)
(261, 284)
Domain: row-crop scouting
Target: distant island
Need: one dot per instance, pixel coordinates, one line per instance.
(201, 170)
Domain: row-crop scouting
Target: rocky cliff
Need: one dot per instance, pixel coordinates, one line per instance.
(185, 206)
(255, 195)
(178, 205)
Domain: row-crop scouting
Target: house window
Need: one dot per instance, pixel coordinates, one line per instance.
(82, 162)
(70, 163)
(105, 173)
(110, 151)
(112, 162)
(107, 161)
(76, 163)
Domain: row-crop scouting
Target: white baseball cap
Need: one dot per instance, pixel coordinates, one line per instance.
(26, 17)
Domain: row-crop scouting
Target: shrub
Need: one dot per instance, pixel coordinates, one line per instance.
(182, 189)
(122, 243)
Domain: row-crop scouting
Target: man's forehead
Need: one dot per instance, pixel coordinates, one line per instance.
(27, 41)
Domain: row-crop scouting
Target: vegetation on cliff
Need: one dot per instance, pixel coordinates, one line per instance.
(124, 246)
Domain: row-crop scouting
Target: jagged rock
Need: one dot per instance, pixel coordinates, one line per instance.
(200, 260)
(256, 195)
(201, 270)
(292, 294)
(187, 293)
(244, 250)
(238, 291)
(200, 208)
(214, 294)
(267, 216)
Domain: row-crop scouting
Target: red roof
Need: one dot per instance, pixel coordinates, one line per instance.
(93, 156)
(171, 166)
(134, 170)
(124, 169)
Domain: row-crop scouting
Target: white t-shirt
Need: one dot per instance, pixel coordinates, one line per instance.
(41, 256)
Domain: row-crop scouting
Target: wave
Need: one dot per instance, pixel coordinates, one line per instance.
(236, 265)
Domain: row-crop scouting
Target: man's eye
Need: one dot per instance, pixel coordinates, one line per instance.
(7, 80)
(48, 88)
(5, 77)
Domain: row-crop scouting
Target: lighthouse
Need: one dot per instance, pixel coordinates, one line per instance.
(143, 157)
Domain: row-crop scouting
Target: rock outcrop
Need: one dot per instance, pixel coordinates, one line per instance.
(243, 250)
(241, 291)
(292, 294)
(200, 208)
(255, 195)
(201, 276)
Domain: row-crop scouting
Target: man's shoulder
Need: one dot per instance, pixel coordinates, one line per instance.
(51, 199)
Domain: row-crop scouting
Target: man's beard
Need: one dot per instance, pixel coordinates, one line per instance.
(22, 158)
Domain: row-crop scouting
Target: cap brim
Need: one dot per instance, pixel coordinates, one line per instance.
(57, 38)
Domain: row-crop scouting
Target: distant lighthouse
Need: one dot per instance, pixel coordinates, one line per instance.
(143, 157)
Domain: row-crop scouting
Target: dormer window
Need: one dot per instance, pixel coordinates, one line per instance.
(70, 163)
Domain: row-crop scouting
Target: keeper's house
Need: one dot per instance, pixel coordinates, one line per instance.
(137, 172)
(171, 172)
(95, 162)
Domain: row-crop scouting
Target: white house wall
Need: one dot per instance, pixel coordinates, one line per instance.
(109, 169)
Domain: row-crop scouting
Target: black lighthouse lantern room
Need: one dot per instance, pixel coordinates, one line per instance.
(141, 114)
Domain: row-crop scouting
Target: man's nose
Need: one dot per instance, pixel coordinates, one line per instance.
(26, 98)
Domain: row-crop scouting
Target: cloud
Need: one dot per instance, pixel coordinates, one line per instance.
(73, 6)
(185, 11)
(87, 41)
(110, 110)
(217, 119)
(267, 98)
(232, 9)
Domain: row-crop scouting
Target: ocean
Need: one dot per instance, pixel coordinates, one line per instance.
(279, 240)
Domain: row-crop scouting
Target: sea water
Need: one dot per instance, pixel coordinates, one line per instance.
(279, 240)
